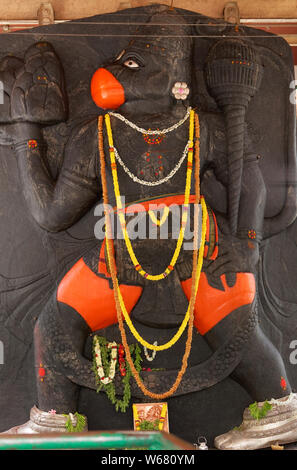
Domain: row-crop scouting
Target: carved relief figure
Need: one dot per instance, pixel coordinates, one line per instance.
(153, 145)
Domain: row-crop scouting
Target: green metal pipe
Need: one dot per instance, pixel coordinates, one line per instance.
(90, 440)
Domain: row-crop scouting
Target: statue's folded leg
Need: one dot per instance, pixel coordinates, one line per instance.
(218, 312)
(83, 303)
(277, 426)
(261, 371)
(59, 337)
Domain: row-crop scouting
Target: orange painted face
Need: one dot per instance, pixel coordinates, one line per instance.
(107, 92)
(138, 80)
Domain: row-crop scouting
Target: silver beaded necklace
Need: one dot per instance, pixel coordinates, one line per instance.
(149, 131)
(152, 183)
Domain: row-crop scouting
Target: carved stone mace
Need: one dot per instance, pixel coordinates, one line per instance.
(233, 75)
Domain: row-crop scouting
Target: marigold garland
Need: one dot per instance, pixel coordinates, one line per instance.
(195, 277)
(175, 338)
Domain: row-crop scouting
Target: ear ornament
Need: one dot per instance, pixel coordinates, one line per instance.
(180, 91)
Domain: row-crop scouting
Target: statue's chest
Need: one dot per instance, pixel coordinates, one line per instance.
(150, 170)
(153, 165)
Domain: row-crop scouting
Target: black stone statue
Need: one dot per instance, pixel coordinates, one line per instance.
(55, 278)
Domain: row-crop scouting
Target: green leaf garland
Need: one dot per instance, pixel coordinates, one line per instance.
(120, 404)
(149, 425)
(259, 412)
(80, 423)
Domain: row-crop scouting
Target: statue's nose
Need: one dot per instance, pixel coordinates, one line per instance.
(107, 92)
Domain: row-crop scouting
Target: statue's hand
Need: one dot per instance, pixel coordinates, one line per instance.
(235, 254)
(34, 89)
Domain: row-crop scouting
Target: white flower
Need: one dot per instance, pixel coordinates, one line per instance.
(180, 90)
(100, 370)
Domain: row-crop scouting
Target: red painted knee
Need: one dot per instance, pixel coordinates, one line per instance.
(91, 296)
(212, 305)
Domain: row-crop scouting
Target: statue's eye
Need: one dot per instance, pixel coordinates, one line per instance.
(132, 64)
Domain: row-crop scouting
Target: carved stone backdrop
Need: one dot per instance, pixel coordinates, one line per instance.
(33, 261)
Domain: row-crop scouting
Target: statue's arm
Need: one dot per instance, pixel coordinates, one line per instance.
(214, 170)
(34, 97)
(214, 190)
(57, 204)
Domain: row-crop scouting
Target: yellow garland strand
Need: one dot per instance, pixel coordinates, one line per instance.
(201, 251)
(162, 417)
(138, 267)
(182, 328)
(136, 417)
(174, 387)
(163, 219)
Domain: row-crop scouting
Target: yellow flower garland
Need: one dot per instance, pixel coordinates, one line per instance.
(195, 273)
(182, 328)
(163, 219)
(138, 267)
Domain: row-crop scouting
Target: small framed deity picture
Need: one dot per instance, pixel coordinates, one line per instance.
(150, 417)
